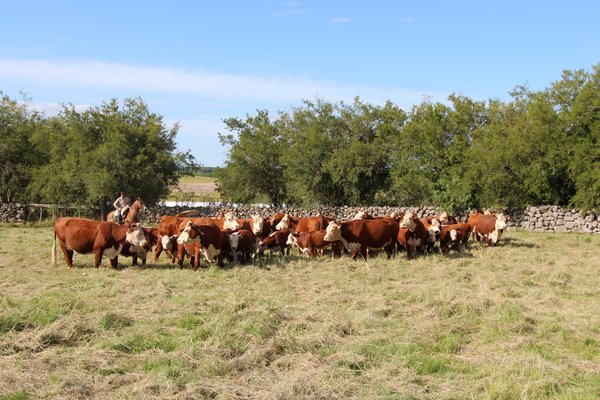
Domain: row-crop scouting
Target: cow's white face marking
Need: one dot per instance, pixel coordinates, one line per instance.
(291, 240)
(408, 222)
(257, 224)
(234, 240)
(453, 235)
(333, 232)
(230, 222)
(135, 236)
(111, 252)
(184, 236)
(500, 221)
(210, 253)
(284, 223)
(413, 242)
(166, 243)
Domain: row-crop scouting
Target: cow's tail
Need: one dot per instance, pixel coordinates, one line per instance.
(54, 250)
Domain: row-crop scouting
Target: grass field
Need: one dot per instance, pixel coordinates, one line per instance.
(194, 188)
(518, 321)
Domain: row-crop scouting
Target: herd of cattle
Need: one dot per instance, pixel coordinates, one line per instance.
(240, 240)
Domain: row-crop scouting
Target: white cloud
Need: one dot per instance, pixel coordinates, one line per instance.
(341, 20)
(118, 77)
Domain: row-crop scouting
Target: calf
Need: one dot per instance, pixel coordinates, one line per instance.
(453, 235)
(201, 240)
(129, 250)
(308, 242)
(277, 239)
(413, 236)
(241, 243)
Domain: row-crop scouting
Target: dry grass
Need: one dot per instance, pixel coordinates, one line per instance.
(194, 188)
(519, 321)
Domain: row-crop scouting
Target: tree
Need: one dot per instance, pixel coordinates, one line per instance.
(92, 155)
(17, 124)
(252, 172)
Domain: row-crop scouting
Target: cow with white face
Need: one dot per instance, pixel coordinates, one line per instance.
(412, 235)
(490, 227)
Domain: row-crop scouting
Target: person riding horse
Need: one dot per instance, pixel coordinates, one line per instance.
(121, 205)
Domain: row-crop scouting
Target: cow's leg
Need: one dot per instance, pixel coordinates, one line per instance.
(97, 257)
(180, 255)
(68, 253)
(389, 249)
(364, 251)
(114, 262)
(158, 249)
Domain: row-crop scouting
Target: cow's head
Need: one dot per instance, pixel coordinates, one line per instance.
(230, 222)
(136, 236)
(360, 215)
(257, 224)
(333, 232)
(234, 240)
(292, 239)
(435, 230)
(444, 218)
(284, 223)
(190, 234)
(500, 222)
(409, 221)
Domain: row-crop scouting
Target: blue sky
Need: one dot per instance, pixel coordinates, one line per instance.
(198, 62)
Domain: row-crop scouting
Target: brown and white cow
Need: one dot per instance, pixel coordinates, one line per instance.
(490, 227)
(446, 219)
(304, 224)
(412, 236)
(201, 240)
(134, 252)
(170, 227)
(362, 236)
(83, 236)
(309, 243)
(452, 236)
(434, 229)
(241, 243)
(277, 239)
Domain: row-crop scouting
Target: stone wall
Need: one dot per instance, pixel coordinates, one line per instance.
(535, 218)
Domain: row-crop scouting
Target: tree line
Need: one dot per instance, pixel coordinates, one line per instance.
(541, 147)
(86, 158)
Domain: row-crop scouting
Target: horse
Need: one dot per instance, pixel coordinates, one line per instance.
(129, 217)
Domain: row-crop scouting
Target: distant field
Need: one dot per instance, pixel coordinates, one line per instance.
(518, 321)
(195, 188)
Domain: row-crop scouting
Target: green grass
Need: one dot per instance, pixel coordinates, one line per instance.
(518, 321)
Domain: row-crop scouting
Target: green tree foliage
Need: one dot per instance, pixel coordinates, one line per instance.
(92, 155)
(17, 158)
(252, 172)
(540, 148)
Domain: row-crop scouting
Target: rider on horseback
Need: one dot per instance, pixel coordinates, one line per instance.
(121, 205)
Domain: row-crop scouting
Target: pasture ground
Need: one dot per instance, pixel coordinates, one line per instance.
(517, 321)
(194, 188)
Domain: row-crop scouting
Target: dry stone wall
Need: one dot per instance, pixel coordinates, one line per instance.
(534, 218)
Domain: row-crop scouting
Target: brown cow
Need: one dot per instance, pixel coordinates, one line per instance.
(259, 226)
(134, 252)
(308, 242)
(490, 227)
(242, 243)
(305, 224)
(99, 237)
(170, 227)
(453, 235)
(446, 219)
(274, 240)
(362, 235)
(201, 240)
(433, 228)
(472, 221)
(412, 236)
